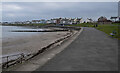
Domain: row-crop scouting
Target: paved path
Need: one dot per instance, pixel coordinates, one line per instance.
(92, 50)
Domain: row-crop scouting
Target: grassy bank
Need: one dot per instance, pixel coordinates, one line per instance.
(82, 25)
(107, 28)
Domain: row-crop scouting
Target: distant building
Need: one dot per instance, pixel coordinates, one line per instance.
(4, 23)
(33, 21)
(27, 22)
(43, 21)
(103, 20)
(71, 21)
(48, 21)
(82, 21)
(53, 21)
(68, 21)
(114, 19)
(78, 20)
(89, 20)
(64, 21)
(58, 20)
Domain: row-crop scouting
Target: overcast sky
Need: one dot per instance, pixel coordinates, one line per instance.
(22, 11)
(59, 0)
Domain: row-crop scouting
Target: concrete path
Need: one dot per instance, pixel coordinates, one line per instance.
(92, 50)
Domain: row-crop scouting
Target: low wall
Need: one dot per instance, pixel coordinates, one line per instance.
(24, 57)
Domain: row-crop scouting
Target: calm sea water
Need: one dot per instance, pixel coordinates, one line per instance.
(6, 32)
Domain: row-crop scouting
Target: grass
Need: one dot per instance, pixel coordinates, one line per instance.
(107, 28)
(82, 25)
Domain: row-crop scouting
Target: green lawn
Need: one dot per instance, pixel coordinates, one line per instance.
(107, 28)
(82, 25)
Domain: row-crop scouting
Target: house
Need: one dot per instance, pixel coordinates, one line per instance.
(75, 21)
(64, 21)
(48, 21)
(89, 20)
(58, 20)
(38, 21)
(4, 22)
(78, 20)
(81, 20)
(70, 21)
(27, 22)
(114, 19)
(103, 20)
(53, 21)
(67, 21)
(17, 22)
(43, 21)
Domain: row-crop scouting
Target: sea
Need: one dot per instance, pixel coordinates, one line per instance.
(7, 32)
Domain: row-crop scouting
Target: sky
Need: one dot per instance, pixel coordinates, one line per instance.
(23, 11)
(59, 0)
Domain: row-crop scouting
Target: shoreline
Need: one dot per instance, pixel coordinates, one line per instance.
(34, 44)
(44, 57)
(30, 44)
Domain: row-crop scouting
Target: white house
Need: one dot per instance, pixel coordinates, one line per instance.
(64, 21)
(27, 22)
(48, 21)
(53, 21)
(88, 20)
(82, 21)
(78, 20)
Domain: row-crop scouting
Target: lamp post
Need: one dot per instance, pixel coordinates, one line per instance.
(119, 10)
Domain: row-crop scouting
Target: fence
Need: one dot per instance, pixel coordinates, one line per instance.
(12, 59)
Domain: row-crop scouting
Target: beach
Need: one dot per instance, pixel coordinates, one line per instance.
(29, 44)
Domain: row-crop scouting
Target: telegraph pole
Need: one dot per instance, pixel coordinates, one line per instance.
(119, 10)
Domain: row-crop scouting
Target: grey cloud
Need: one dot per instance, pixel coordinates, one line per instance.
(47, 10)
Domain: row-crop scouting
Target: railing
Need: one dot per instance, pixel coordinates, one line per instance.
(15, 59)
(12, 59)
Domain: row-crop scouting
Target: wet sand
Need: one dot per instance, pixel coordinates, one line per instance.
(29, 44)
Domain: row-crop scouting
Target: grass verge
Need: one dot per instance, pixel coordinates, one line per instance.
(107, 28)
(110, 29)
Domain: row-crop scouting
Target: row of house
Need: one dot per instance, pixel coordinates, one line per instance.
(101, 20)
(70, 20)
(63, 21)
(54, 21)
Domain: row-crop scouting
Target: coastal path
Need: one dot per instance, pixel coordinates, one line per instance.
(92, 50)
